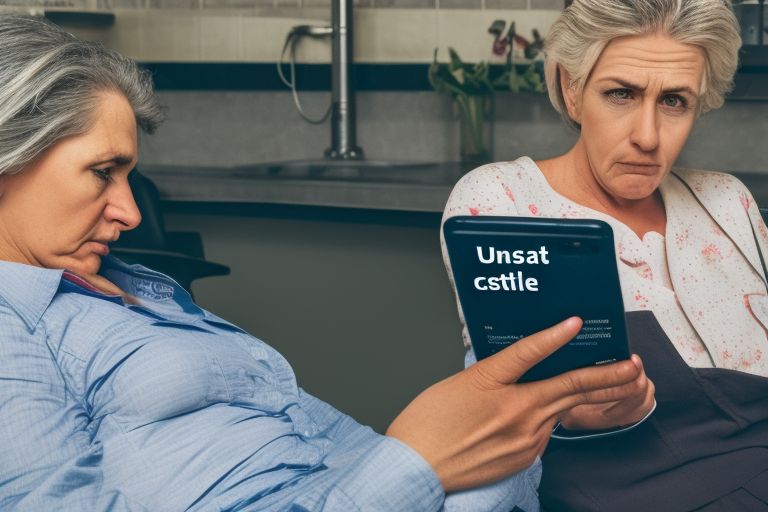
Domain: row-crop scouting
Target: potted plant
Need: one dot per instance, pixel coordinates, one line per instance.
(472, 87)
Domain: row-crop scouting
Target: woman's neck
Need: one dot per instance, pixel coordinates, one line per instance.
(571, 176)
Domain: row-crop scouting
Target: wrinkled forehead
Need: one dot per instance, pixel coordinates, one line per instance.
(649, 60)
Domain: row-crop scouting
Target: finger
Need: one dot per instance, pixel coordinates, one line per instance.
(586, 385)
(511, 363)
(628, 403)
(634, 391)
(635, 409)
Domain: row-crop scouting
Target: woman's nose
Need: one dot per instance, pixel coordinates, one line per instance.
(645, 129)
(122, 208)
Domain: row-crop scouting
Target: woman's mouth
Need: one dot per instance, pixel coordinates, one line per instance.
(646, 169)
(100, 248)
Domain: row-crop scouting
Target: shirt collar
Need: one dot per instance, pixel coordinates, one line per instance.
(28, 290)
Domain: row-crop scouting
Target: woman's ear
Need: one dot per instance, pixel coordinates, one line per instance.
(570, 95)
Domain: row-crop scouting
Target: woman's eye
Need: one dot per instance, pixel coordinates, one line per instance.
(674, 101)
(619, 95)
(104, 175)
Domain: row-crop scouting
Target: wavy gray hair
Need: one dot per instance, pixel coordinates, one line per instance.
(49, 83)
(578, 37)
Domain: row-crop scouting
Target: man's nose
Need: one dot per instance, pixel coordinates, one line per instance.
(645, 128)
(122, 207)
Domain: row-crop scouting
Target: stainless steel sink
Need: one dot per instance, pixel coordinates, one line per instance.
(369, 171)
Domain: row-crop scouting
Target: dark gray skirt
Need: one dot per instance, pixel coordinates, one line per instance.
(704, 448)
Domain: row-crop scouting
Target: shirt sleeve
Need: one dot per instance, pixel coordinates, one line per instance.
(365, 471)
(47, 459)
(393, 477)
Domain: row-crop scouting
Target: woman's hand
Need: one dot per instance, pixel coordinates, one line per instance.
(480, 425)
(626, 411)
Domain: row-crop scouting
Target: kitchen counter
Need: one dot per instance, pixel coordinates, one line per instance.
(370, 185)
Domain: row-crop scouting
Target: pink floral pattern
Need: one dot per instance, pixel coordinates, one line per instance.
(700, 282)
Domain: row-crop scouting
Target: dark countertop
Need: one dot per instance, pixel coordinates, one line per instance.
(398, 186)
(391, 186)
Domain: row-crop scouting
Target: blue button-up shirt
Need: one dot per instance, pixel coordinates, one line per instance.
(163, 406)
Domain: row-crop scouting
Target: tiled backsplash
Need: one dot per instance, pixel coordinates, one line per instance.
(246, 127)
(391, 35)
(246, 4)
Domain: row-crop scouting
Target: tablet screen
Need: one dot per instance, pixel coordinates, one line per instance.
(516, 276)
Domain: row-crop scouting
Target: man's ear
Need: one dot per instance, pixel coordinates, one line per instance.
(570, 95)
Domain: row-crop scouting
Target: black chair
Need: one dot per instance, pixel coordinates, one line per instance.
(177, 254)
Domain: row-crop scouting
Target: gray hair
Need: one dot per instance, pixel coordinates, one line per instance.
(49, 85)
(581, 33)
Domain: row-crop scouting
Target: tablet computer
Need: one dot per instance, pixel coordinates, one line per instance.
(516, 276)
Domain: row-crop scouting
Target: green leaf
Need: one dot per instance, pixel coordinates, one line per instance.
(456, 62)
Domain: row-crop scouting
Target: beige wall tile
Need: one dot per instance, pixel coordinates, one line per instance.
(125, 34)
(395, 35)
(221, 38)
(548, 4)
(170, 36)
(459, 4)
(381, 35)
(506, 4)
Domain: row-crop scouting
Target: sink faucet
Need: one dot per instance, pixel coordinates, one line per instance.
(343, 125)
(343, 128)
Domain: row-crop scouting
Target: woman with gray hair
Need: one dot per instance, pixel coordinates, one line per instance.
(632, 76)
(117, 392)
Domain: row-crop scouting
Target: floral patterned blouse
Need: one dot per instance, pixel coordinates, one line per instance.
(705, 286)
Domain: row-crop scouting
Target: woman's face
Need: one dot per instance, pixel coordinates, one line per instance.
(63, 209)
(636, 111)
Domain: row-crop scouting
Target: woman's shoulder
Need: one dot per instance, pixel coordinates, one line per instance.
(495, 171)
(720, 193)
(709, 181)
(492, 189)
(716, 189)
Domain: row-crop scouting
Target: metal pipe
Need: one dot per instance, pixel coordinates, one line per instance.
(343, 127)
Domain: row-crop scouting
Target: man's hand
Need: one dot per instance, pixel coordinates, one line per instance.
(479, 426)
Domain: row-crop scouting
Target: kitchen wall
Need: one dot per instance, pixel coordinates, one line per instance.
(254, 126)
(247, 127)
(405, 31)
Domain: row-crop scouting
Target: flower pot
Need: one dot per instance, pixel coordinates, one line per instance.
(475, 112)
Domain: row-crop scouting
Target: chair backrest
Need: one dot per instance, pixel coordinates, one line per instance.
(150, 233)
(177, 254)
